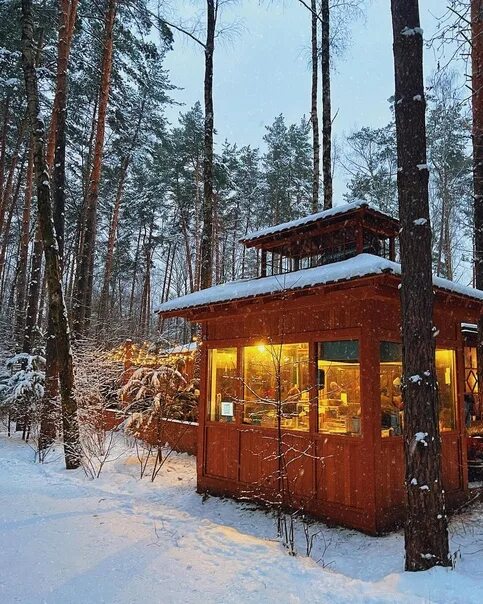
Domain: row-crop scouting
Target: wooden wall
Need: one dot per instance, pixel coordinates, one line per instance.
(181, 436)
(350, 480)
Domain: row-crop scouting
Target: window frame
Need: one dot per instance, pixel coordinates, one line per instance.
(443, 345)
(286, 342)
(208, 401)
(347, 335)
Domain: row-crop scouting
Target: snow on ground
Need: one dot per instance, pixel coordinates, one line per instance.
(67, 539)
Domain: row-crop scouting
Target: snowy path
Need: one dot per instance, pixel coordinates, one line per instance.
(66, 539)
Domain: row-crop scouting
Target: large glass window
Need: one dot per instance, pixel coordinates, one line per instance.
(445, 372)
(276, 382)
(392, 416)
(338, 382)
(390, 380)
(223, 384)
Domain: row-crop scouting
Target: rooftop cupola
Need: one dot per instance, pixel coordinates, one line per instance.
(325, 237)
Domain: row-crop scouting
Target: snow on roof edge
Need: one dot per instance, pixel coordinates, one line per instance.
(340, 209)
(180, 348)
(363, 265)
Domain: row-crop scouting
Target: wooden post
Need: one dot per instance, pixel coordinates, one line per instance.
(263, 266)
(392, 249)
(127, 360)
(359, 239)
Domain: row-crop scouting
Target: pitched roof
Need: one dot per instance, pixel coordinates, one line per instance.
(312, 218)
(362, 265)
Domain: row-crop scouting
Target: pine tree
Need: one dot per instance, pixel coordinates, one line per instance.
(325, 63)
(85, 272)
(371, 162)
(52, 257)
(288, 170)
(477, 111)
(206, 271)
(450, 171)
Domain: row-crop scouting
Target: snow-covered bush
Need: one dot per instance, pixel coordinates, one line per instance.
(22, 387)
(161, 391)
(152, 396)
(97, 381)
(148, 383)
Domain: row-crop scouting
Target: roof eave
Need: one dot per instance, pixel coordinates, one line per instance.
(271, 296)
(193, 312)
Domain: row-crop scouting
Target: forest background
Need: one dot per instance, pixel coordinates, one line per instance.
(149, 210)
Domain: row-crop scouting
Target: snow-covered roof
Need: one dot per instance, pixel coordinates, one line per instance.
(278, 228)
(181, 348)
(362, 265)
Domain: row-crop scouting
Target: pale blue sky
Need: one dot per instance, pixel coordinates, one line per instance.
(264, 70)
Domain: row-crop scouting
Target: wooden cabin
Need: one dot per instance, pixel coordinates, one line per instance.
(305, 361)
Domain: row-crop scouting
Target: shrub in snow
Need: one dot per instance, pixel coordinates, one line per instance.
(22, 389)
(96, 390)
(154, 395)
(161, 391)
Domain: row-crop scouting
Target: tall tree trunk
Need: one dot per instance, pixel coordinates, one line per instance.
(165, 277)
(84, 280)
(111, 242)
(3, 142)
(52, 261)
(13, 199)
(207, 230)
(87, 160)
(24, 249)
(59, 117)
(146, 290)
(41, 321)
(187, 247)
(67, 17)
(6, 193)
(477, 106)
(197, 238)
(78, 242)
(448, 252)
(31, 312)
(314, 117)
(135, 273)
(326, 106)
(426, 530)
